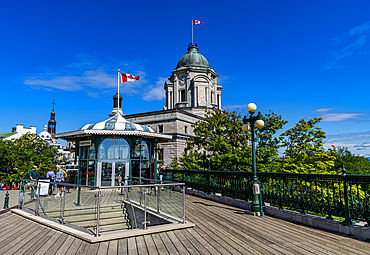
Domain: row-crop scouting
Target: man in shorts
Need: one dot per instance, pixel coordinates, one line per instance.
(59, 178)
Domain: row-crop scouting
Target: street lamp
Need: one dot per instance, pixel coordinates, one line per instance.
(254, 121)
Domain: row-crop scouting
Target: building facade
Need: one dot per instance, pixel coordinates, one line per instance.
(17, 132)
(191, 90)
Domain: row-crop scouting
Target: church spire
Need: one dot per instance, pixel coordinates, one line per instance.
(52, 124)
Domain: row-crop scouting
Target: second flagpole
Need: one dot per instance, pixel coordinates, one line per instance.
(118, 91)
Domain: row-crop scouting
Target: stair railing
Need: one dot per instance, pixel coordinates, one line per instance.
(132, 207)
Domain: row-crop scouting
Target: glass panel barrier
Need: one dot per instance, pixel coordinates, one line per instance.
(99, 210)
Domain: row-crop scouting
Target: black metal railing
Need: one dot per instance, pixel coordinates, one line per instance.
(345, 196)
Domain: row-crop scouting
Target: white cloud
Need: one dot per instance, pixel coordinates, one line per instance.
(236, 106)
(329, 116)
(155, 92)
(355, 42)
(353, 141)
(90, 74)
(328, 109)
(341, 116)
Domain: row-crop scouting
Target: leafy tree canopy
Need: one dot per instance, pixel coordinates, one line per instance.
(354, 164)
(220, 143)
(19, 155)
(304, 149)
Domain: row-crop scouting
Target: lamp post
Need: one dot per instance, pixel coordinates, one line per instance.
(254, 121)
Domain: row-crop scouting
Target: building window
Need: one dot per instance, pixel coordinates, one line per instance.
(186, 129)
(182, 96)
(160, 129)
(160, 155)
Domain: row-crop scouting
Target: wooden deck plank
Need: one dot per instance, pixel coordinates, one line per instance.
(149, 242)
(48, 243)
(313, 245)
(161, 248)
(36, 246)
(303, 249)
(141, 245)
(196, 243)
(123, 246)
(177, 243)
(113, 247)
(209, 248)
(84, 246)
(167, 242)
(240, 234)
(131, 246)
(220, 229)
(93, 249)
(20, 247)
(57, 244)
(272, 237)
(211, 239)
(103, 248)
(12, 238)
(185, 242)
(223, 237)
(74, 246)
(66, 245)
(11, 234)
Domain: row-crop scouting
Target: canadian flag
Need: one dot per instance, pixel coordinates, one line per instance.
(125, 77)
(195, 22)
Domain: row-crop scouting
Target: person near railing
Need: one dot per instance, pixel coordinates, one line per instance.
(160, 173)
(119, 177)
(33, 176)
(59, 178)
(50, 175)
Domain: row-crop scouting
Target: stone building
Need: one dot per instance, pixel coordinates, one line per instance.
(191, 90)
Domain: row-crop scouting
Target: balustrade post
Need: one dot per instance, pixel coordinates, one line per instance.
(346, 204)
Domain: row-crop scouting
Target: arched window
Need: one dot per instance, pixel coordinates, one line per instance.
(114, 149)
(144, 150)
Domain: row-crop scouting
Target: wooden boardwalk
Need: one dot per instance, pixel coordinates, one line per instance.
(220, 229)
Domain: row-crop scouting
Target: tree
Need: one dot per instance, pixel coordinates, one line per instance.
(268, 144)
(354, 164)
(304, 149)
(220, 143)
(19, 155)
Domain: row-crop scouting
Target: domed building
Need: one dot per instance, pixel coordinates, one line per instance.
(191, 90)
(46, 136)
(105, 146)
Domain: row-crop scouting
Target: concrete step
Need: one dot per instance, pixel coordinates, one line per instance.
(109, 228)
(84, 212)
(86, 217)
(103, 222)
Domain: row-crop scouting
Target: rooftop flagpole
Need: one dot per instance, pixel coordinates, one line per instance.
(192, 28)
(118, 91)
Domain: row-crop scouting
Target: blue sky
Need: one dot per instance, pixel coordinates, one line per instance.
(301, 59)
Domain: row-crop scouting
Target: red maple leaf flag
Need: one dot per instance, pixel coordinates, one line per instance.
(195, 22)
(125, 77)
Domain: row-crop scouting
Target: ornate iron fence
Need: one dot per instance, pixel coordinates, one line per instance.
(346, 196)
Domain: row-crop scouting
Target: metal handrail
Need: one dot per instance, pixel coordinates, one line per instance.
(344, 196)
(132, 207)
(111, 187)
(160, 183)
